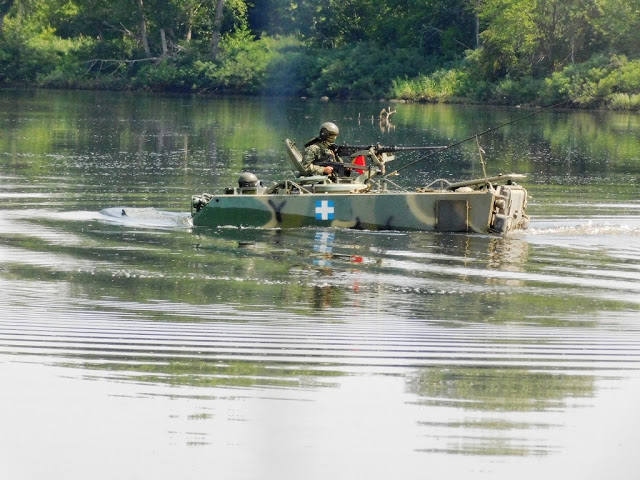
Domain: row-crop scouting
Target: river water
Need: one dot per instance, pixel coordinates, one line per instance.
(143, 348)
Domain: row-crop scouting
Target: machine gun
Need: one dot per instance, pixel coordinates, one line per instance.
(379, 154)
(350, 150)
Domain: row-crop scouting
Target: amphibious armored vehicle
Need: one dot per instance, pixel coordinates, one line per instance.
(365, 199)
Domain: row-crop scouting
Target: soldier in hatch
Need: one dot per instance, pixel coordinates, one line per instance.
(317, 151)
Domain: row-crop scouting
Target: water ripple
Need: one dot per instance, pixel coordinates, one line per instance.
(356, 341)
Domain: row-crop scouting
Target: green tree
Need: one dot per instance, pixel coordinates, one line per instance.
(535, 37)
(437, 27)
(618, 25)
(5, 6)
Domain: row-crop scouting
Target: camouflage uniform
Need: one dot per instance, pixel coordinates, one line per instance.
(317, 152)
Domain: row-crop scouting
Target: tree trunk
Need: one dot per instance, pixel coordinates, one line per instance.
(217, 25)
(190, 14)
(163, 39)
(477, 10)
(143, 29)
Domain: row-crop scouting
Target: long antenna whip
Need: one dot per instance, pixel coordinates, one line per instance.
(476, 135)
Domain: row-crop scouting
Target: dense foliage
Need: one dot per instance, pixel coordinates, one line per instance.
(497, 51)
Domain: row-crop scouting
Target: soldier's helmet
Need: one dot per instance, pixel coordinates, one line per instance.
(248, 179)
(328, 129)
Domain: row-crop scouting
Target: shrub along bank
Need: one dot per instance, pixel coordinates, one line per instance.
(289, 65)
(601, 82)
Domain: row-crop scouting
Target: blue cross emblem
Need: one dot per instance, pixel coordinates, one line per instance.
(325, 210)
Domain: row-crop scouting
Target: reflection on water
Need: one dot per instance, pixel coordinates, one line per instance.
(310, 353)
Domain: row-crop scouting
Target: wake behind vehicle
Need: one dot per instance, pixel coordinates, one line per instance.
(365, 199)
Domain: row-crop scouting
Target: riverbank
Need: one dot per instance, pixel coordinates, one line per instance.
(286, 66)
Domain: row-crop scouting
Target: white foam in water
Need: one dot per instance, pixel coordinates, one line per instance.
(594, 226)
(146, 217)
(617, 237)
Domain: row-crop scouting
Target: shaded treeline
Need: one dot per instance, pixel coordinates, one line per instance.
(495, 51)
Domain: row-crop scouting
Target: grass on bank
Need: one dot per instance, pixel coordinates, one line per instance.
(601, 82)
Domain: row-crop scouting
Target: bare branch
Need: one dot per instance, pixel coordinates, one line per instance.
(93, 61)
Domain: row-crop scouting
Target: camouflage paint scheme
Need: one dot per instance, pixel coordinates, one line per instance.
(482, 205)
(480, 211)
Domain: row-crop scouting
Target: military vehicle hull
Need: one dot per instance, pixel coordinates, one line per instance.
(495, 210)
(486, 205)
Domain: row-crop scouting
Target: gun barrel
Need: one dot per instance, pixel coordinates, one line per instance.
(351, 149)
(394, 148)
